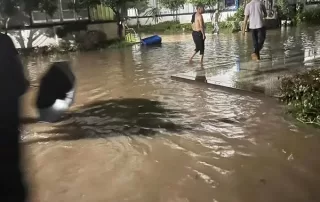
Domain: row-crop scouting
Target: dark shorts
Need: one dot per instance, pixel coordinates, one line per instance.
(198, 41)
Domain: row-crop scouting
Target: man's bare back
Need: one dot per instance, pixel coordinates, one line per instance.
(198, 33)
(198, 23)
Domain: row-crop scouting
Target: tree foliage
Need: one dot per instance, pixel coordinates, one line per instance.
(47, 6)
(140, 6)
(283, 9)
(173, 5)
(9, 8)
(208, 3)
(77, 5)
(155, 13)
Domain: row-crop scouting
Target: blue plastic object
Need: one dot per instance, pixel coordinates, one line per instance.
(152, 40)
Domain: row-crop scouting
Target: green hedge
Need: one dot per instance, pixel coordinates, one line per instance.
(166, 27)
(176, 27)
(238, 16)
(311, 16)
(302, 95)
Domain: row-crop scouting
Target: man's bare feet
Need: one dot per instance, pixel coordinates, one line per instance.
(254, 57)
(190, 61)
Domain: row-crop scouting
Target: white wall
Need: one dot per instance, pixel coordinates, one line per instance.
(187, 8)
(182, 18)
(28, 38)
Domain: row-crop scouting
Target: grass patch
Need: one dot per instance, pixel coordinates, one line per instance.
(301, 93)
(171, 27)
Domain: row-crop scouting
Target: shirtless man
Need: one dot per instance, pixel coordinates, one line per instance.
(198, 33)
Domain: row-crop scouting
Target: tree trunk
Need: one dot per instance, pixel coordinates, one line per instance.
(177, 15)
(138, 21)
(60, 11)
(6, 25)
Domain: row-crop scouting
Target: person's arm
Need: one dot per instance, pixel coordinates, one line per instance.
(264, 10)
(246, 17)
(201, 23)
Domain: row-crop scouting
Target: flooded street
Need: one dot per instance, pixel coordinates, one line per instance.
(135, 135)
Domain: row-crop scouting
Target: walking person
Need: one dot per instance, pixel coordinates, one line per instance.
(215, 23)
(255, 12)
(12, 85)
(198, 33)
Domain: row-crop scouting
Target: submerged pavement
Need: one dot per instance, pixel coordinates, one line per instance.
(293, 54)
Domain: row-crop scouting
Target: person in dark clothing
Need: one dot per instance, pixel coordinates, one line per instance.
(56, 92)
(13, 85)
(198, 33)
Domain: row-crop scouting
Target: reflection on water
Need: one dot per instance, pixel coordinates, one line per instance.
(136, 135)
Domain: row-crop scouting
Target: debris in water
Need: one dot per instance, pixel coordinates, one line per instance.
(290, 158)
(263, 181)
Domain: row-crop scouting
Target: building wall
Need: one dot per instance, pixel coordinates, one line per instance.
(24, 34)
(184, 14)
(41, 37)
(62, 15)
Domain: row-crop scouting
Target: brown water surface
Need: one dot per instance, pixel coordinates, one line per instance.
(135, 135)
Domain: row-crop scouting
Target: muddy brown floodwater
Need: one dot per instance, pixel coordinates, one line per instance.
(135, 135)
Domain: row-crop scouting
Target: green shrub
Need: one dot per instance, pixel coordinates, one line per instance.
(302, 95)
(169, 27)
(311, 16)
(283, 9)
(238, 16)
(226, 24)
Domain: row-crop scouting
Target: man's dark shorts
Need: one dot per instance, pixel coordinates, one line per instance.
(199, 41)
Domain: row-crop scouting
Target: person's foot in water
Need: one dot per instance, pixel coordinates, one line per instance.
(254, 57)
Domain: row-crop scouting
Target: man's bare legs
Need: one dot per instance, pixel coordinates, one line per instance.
(191, 58)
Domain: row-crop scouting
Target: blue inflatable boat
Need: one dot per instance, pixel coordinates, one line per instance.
(152, 40)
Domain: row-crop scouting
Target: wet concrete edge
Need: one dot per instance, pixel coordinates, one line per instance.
(224, 88)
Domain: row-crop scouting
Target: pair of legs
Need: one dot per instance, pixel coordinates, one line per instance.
(258, 37)
(215, 28)
(199, 42)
